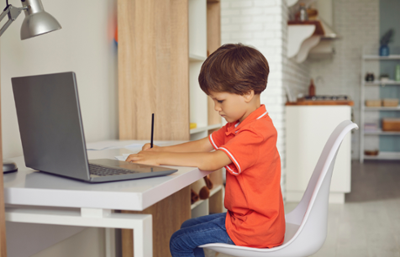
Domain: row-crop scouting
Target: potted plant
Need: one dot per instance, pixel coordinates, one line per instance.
(385, 39)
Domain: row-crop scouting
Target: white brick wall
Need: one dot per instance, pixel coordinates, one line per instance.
(357, 22)
(263, 24)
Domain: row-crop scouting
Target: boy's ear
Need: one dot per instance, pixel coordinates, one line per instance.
(248, 96)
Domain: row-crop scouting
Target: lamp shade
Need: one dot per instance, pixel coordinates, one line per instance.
(37, 21)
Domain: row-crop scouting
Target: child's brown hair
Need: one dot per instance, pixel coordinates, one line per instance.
(234, 68)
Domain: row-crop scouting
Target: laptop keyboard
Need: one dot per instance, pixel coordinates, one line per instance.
(104, 171)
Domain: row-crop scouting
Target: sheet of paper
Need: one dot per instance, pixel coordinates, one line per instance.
(104, 145)
(134, 147)
(123, 157)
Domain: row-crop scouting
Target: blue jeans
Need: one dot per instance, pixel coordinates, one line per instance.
(199, 231)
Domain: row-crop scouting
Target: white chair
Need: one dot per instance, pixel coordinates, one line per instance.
(306, 225)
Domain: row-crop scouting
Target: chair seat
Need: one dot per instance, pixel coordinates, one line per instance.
(291, 230)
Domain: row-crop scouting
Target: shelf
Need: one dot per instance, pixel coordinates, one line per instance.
(380, 132)
(291, 3)
(196, 58)
(384, 156)
(202, 129)
(382, 108)
(297, 35)
(197, 27)
(197, 98)
(304, 36)
(383, 83)
(306, 47)
(212, 192)
(376, 135)
(377, 57)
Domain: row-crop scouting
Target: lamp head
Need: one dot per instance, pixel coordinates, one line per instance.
(37, 21)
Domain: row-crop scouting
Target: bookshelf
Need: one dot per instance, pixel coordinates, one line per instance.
(365, 85)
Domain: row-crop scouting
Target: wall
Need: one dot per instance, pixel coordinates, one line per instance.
(83, 45)
(357, 22)
(263, 24)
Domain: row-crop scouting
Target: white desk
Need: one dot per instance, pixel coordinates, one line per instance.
(77, 203)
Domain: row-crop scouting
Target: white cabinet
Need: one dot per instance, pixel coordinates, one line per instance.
(307, 130)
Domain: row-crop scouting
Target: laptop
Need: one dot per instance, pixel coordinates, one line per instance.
(51, 130)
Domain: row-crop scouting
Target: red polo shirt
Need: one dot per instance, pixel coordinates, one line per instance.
(253, 197)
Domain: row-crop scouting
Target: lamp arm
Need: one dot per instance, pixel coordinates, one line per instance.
(13, 13)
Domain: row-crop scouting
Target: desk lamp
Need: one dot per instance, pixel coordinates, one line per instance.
(37, 22)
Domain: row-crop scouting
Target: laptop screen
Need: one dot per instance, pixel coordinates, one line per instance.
(50, 124)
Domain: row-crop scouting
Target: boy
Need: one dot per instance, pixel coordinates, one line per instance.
(233, 76)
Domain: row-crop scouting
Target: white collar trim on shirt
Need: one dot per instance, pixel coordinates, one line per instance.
(262, 115)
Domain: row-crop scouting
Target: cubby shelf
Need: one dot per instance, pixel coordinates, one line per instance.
(207, 206)
(383, 83)
(196, 58)
(382, 108)
(380, 132)
(212, 192)
(203, 129)
(377, 57)
(384, 156)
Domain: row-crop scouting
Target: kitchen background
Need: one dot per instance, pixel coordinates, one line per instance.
(359, 25)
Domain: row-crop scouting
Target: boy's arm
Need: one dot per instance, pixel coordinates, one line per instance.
(201, 145)
(204, 161)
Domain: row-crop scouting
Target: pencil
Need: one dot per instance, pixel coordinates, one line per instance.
(152, 130)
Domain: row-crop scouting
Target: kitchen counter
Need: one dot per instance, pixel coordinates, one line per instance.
(308, 127)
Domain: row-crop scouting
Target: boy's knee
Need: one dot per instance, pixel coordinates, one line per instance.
(176, 243)
(186, 223)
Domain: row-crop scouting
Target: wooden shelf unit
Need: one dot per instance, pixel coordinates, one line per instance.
(162, 45)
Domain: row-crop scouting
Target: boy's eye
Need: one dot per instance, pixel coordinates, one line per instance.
(220, 101)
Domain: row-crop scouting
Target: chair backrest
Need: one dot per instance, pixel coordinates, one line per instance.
(307, 223)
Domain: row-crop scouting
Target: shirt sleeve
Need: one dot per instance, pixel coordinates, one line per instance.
(243, 150)
(217, 138)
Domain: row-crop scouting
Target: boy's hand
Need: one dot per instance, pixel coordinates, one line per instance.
(145, 157)
(148, 147)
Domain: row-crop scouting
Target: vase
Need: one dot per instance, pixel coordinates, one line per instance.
(384, 50)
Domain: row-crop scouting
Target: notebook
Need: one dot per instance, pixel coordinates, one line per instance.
(52, 135)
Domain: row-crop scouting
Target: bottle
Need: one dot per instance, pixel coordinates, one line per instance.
(311, 88)
(303, 12)
(397, 76)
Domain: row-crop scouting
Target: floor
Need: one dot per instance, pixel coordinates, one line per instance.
(368, 224)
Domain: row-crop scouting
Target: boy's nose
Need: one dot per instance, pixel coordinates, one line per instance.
(217, 108)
